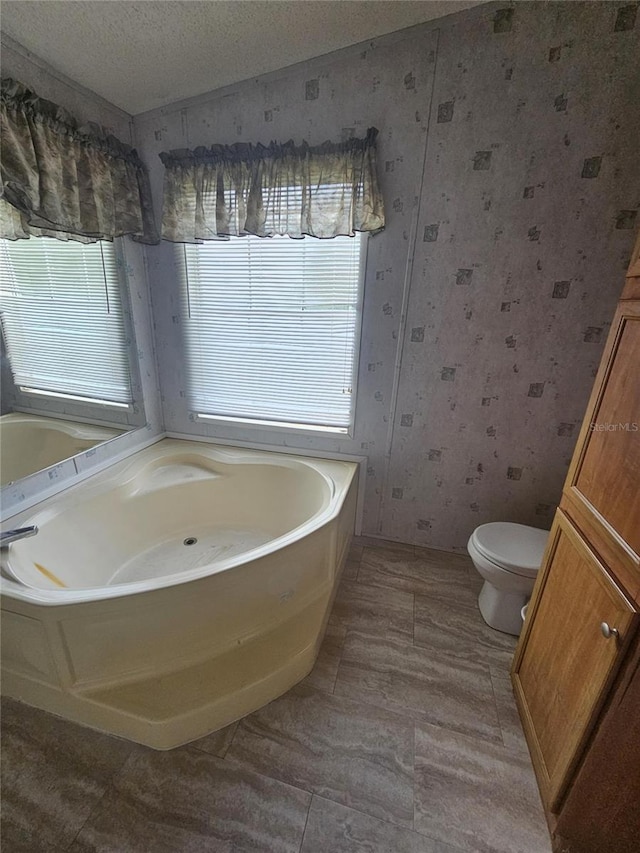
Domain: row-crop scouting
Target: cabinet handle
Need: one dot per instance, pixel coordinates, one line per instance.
(608, 632)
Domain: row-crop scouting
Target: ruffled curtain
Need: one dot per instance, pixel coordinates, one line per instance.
(322, 191)
(61, 180)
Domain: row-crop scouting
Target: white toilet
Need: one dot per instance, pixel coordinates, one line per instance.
(508, 557)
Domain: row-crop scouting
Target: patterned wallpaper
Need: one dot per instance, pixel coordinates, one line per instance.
(529, 204)
(508, 158)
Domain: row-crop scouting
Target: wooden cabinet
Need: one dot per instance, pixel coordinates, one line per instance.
(576, 669)
(566, 663)
(602, 491)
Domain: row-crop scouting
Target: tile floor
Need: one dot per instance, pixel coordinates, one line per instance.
(403, 739)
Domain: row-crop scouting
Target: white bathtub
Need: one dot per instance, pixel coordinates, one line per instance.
(118, 620)
(30, 443)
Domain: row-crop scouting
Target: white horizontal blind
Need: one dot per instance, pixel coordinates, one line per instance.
(271, 328)
(62, 318)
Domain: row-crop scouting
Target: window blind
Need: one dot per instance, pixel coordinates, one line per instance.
(62, 318)
(271, 328)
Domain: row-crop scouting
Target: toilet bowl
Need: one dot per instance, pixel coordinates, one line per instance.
(508, 557)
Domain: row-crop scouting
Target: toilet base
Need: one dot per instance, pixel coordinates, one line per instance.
(501, 609)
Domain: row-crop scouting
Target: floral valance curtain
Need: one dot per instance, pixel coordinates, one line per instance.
(65, 181)
(321, 191)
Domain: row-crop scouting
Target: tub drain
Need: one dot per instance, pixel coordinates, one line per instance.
(190, 540)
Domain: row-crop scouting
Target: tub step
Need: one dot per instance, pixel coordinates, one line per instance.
(220, 690)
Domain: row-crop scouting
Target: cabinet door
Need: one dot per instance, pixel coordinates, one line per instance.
(601, 493)
(564, 663)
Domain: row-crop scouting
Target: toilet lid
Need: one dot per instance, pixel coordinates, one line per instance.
(515, 547)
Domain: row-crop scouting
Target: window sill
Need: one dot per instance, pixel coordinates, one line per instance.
(276, 426)
(56, 395)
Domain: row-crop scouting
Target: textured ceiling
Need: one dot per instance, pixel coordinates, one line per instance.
(142, 55)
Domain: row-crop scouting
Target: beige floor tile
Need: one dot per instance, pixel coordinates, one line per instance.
(476, 795)
(332, 828)
(364, 608)
(451, 628)
(457, 694)
(455, 559)
(435, 574)
(185, 800)
(510, 724)
(350, 752)
(53, 774)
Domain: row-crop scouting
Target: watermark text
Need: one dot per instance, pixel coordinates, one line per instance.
(605, 426)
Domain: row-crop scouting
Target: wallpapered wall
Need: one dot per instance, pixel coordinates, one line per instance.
(529, 207)
(508, 159)
(86, 106)
(509, 163)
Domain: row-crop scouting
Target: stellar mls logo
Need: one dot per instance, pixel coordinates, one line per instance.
(619, 427)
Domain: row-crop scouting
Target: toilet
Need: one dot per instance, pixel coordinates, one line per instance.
(508, 557)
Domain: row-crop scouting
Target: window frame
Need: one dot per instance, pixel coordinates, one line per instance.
(87, 409)
(302, 429)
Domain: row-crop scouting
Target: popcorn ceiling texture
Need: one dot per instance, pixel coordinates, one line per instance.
(509, 163)
(144, 55)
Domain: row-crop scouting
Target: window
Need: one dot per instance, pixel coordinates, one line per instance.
(62, 319)
(271, 329)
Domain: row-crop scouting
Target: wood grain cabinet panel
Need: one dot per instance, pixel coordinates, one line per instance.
(564, 663)
(602, 491)
(608, 473)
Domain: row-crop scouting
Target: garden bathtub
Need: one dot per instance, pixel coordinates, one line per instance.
(176, 591)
